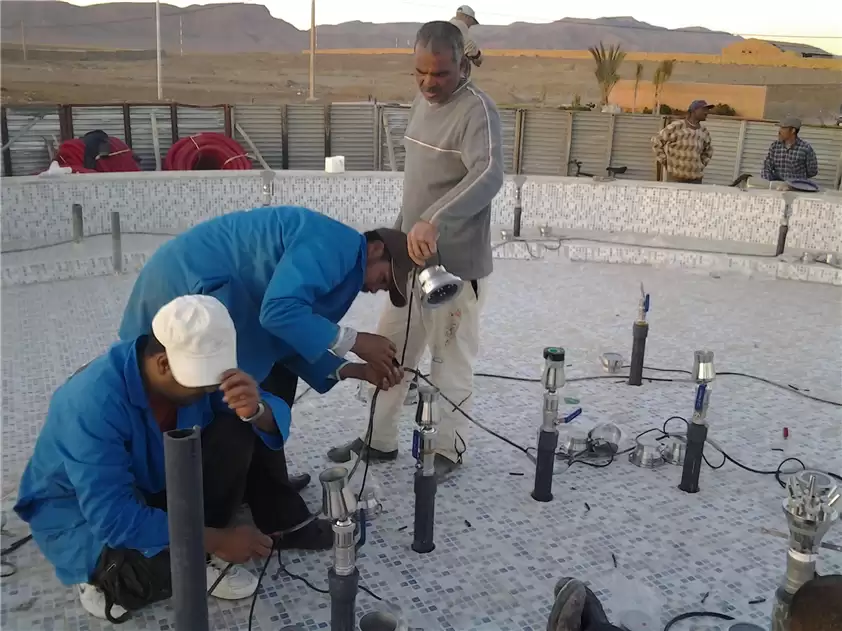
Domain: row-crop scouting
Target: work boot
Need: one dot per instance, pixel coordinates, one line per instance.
(345, 452)
(445, 467)
(317, 535)
(570, 597)
(299, 482)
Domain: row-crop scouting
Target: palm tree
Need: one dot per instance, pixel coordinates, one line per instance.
(608, 63)
(638, 73)
(662, 74)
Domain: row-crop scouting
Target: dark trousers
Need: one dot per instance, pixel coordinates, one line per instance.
(671, 178)
(237, 467)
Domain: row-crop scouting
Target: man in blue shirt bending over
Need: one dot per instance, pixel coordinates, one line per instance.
(287, 275)
(94, 491)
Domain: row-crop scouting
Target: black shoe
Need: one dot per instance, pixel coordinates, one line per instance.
(317, 535)
(299, 482)
(345, 452)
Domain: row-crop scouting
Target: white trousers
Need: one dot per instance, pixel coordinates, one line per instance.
(452, 334)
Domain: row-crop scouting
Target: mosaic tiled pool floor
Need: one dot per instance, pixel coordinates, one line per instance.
(498, 552)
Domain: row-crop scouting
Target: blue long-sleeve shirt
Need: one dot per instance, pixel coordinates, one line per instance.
(287, 275)
(99, 449)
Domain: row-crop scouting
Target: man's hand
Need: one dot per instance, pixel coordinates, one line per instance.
(421, 241)
(367, 372)
(238, 545)
(377, 350)
(240, 392)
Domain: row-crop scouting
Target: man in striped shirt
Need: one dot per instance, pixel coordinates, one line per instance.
(684, 147)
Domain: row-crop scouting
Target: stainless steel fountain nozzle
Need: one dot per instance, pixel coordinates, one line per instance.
(811, 496)
(553, 377)
(437, 286)
(703, 369)
(334, 501)
(427, 412)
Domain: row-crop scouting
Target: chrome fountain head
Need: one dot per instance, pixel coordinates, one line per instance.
(703, 370)
(545, 231)
(506, 235)
(811, 496)
(334, 502)
(437, 286)
(427, 412)
(553, 377)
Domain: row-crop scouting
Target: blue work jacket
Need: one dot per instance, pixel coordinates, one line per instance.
(287, 275)
(99, 450)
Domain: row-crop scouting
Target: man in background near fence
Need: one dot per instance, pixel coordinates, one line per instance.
(790, 158)
(464, 20)
(94, 492)
(453, 170)
(684, 148)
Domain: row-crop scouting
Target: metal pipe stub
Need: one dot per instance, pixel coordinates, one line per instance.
(185, 517)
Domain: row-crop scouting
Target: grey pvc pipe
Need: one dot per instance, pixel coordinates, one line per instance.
(185, 513)
(116, 243)
(78, 225)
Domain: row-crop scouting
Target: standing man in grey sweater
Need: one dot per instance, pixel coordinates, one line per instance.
(453, 169)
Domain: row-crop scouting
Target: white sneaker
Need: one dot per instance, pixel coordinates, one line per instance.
(93, 600)
(235, 585)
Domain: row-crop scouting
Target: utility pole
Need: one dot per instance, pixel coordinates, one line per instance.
(312, 96)
(23, 39)
(181, 36)
(158, 47)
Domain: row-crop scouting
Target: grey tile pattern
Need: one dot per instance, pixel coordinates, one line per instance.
(38, 209)
(496, 571)
(816, 224)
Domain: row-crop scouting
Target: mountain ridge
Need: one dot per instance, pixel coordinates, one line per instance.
(248, 28)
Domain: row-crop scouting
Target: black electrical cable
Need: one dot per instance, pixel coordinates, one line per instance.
(727, 373)
(283, 568)
(16, 545)
(696, 614)
(7, 568)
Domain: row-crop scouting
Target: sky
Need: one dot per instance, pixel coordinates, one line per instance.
(812, 23)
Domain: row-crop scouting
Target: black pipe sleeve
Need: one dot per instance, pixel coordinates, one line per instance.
(425, 513)
(639, 332)
(696, 436)
(343, 600)
(545, 463)
(518, 214)
(185, 514)
(781, 244)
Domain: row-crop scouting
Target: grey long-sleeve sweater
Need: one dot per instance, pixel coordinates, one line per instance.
(453, 169)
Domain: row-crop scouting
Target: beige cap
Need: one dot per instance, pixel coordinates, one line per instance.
(466, 10)
(791, 121)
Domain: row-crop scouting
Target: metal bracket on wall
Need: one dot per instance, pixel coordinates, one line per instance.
(390, 145)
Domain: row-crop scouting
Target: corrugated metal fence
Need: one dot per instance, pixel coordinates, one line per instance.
(299, 136)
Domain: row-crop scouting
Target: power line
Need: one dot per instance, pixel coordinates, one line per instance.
(580, 22)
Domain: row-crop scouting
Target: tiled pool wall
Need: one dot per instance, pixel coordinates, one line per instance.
(37, 211)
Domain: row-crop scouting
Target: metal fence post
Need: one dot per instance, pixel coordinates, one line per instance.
(78, 225)
(116, 243)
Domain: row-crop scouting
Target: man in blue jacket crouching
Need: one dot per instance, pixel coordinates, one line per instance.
(94, 491)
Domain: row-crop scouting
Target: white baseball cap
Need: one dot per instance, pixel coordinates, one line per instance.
(200, 339)
(466, 10)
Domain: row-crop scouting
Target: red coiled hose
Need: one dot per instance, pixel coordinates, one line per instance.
(208, 151)
(71, 153)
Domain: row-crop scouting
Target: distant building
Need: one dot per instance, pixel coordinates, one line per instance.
(767, 49)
